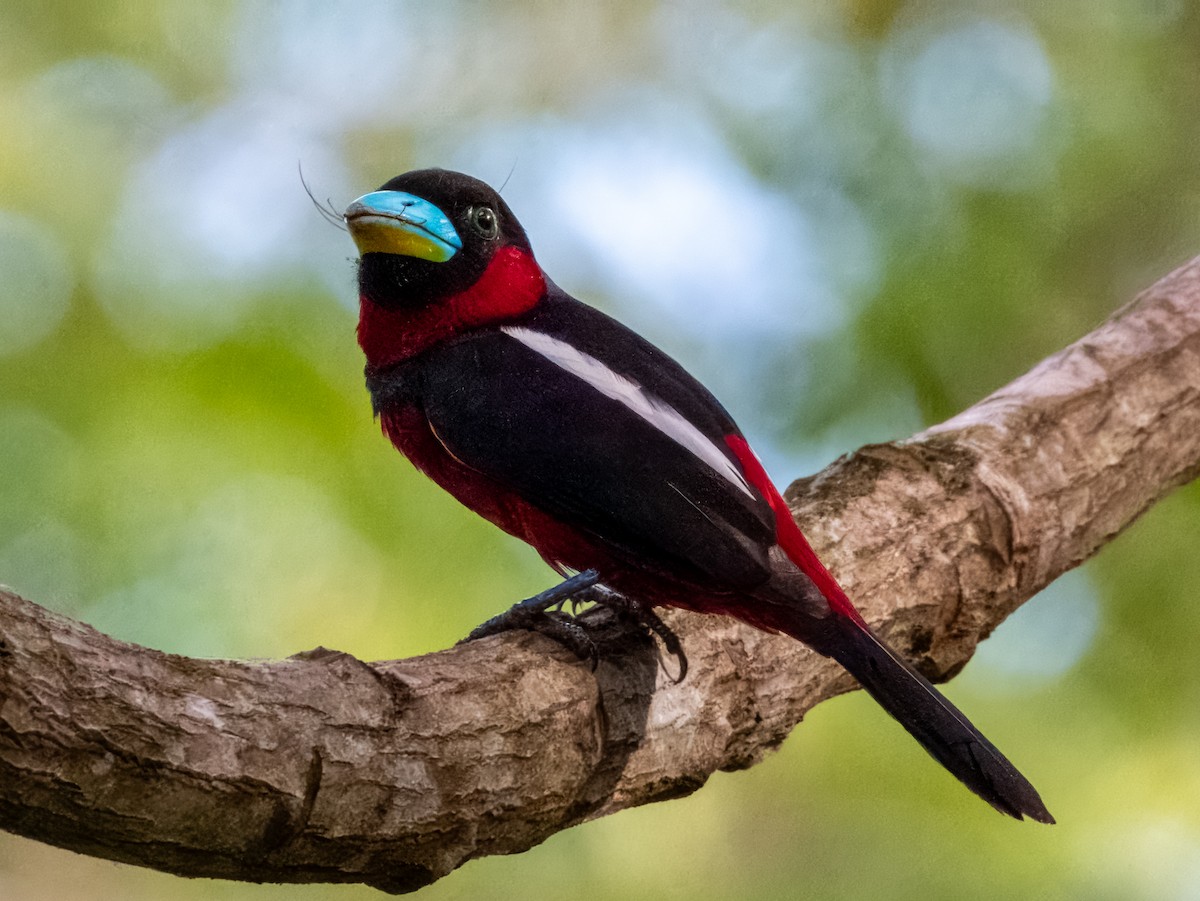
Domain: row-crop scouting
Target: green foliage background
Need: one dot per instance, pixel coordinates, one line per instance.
(187, 458)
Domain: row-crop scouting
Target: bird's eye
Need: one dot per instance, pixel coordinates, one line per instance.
(483, 220)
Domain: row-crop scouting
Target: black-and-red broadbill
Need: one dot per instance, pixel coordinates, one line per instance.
(573, 433)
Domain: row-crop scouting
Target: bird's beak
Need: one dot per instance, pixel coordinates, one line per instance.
(395, 222)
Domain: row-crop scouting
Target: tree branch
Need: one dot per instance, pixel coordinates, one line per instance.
(321, 768)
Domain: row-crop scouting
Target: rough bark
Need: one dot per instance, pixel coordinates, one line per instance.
(322, 768)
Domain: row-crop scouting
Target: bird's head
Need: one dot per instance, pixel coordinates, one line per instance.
(428, 235)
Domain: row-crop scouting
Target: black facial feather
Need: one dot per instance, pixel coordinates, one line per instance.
(393, 281)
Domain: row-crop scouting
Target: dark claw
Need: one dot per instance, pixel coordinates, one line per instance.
(670, 640)
(527, 614)
(534, 614)
(644, 616)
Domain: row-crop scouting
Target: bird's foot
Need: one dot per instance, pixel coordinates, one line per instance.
(542, 613)
(632, 609)
(536, 615)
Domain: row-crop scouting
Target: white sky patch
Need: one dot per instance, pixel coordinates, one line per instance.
(697, 234)
(642, 201)
(214, 217)
(975, 99)
(336, 63)
(1042, 640)
(612, 384)
(205, 223)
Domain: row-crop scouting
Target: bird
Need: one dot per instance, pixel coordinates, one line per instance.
(575, 434)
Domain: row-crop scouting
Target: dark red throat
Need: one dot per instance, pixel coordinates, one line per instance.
(511, 285)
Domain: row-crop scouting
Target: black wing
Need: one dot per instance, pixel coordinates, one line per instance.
(508, 410)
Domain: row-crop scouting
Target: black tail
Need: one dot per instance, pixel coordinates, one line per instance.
(936, 723)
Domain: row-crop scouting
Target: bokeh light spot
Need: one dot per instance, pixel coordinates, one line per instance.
(35, 290)
(1045, 637)
(269, 544)
(206, 223)
(974, 95)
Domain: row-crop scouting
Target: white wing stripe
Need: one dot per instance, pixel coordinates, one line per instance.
(612, 384)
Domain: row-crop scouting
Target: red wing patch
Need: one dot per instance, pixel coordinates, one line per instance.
(790, 538)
